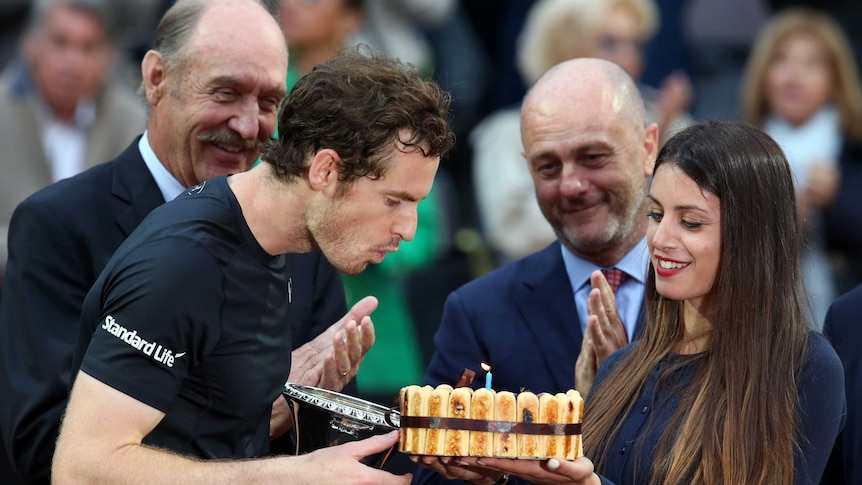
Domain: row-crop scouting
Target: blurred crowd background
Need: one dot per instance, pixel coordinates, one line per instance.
(68, 101)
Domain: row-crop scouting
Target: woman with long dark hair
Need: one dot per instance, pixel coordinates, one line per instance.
(734, 387)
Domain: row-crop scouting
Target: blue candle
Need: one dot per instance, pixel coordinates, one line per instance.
(487, 376)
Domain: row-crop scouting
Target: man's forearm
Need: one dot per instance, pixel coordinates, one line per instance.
(141, 464)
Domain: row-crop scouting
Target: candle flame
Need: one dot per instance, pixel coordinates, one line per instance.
(485, 367)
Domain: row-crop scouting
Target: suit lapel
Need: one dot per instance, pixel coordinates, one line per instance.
(135, 188)
(548, 307)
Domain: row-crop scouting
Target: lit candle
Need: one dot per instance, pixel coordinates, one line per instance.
(487, 369)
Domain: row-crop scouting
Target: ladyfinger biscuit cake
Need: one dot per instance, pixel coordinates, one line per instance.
(444, 421)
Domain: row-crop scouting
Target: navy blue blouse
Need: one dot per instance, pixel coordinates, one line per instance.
(822, 404)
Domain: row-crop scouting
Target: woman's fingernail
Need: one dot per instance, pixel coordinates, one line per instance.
(553, 464)
(414, 459)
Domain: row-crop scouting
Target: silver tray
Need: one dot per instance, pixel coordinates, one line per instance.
(351, 417)
(359, 412)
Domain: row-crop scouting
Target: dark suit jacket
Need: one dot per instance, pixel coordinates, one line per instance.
(521, 319)
(843, 220)
(59, 242)
(843, 327)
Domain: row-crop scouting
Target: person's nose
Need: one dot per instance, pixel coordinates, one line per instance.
(574, 181)
(246, 120)
(405, 226)
(662, 234)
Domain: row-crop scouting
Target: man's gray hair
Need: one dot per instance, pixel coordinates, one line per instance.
(172, 35)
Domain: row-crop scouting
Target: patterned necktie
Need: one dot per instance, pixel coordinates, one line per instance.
(615, 278)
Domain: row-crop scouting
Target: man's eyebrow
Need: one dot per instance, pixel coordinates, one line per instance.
(236, 83)
(225, 81)
(400, 194)
(580, 149)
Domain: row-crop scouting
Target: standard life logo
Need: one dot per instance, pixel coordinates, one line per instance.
(152, 349)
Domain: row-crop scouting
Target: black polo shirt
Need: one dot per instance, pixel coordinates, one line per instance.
(190, 317)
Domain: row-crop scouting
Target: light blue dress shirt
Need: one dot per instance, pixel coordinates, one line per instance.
(629, 296)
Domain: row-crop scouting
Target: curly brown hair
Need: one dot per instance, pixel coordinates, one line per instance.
(359, 103)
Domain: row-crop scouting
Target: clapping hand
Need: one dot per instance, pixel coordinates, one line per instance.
(329, 361)
(332, 359)
(605, 332)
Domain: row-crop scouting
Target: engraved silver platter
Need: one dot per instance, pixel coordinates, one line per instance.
(350, 417)
(359, 411)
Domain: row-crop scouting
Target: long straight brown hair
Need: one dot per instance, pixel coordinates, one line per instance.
(737, 421)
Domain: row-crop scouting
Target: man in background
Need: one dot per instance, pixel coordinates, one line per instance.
(61, 109)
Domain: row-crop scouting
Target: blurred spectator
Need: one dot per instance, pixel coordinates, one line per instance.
(316, 30)
(396, 27)
(802, 87)
(557, 30)
(719, 37)
(60, 111)
(848, 14)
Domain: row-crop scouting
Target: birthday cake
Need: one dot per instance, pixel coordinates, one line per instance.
(446, 421)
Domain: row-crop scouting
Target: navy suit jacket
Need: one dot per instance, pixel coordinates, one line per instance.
(521, 319)
(843, 327)
(60, 239)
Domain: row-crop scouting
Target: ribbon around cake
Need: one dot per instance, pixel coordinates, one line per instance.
(490, 426)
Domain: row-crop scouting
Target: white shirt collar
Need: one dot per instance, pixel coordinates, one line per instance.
(168, 184)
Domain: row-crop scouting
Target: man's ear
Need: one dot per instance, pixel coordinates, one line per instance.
(650, 148)
(323, 171)
(154, 77)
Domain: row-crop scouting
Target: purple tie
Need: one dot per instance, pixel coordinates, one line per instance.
(615, 278)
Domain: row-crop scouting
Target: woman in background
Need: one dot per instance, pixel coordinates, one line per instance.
(802, 88)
